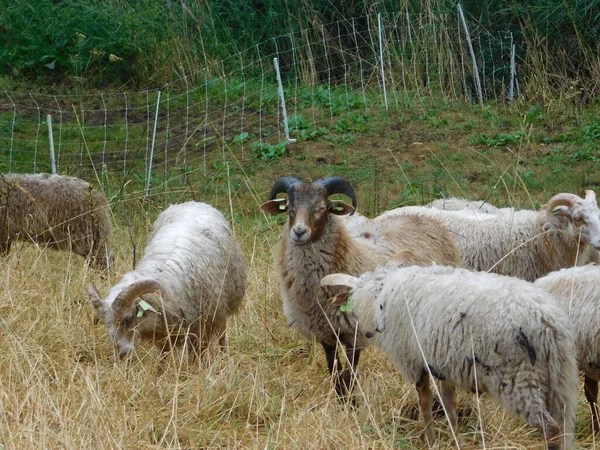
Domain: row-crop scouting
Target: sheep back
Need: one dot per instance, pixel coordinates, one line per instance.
(457, 204)
(62, 212)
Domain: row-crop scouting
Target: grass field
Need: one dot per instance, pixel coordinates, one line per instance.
(61, 387)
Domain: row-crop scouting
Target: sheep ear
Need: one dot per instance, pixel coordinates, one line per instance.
(339, 279)
(339, 299)
(340, 208)
(400, 258)
(96, 300)
(275, 206)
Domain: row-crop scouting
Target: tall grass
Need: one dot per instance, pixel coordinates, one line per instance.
(147, 43)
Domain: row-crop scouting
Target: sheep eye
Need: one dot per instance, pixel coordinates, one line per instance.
(381, 307)
(128, 319)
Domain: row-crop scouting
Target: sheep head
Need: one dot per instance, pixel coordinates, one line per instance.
(578, 216)
(308, 205)
(363, 296)
(132, 313)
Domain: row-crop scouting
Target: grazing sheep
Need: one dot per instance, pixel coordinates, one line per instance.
(315, 243)
(458, 204)
(61, 212)
(577, 290)
(473, 331)
(524, 244)
(192, 276)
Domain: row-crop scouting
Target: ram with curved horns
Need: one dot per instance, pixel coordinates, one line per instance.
(524, 244)
(315, 243)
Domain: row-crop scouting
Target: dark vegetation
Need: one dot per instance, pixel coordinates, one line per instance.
(137, 44)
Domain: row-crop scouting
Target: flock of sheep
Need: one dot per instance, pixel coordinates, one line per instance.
(483, 299)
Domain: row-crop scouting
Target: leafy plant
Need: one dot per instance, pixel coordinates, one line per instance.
(267, 152)
(499, 140)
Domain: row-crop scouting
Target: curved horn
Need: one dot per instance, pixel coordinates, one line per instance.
(590, 195)
(561, 199)
(337, 185)
(282, 185)
(135, 290)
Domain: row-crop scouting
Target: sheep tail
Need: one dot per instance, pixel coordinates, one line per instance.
(563, 381)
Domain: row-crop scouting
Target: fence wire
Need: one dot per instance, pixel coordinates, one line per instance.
(233, 105)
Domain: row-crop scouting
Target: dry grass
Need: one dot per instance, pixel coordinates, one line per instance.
(61, 387)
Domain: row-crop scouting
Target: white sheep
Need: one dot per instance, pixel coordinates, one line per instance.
(458, 204)
(61, 212)
(191, 278)
(315, 243)
(473, 331)
(525, 244)
(577, 290)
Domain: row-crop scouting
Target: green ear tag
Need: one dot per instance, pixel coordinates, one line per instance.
(282, 207)
(338, 208)
(143, 307)
(347, 307)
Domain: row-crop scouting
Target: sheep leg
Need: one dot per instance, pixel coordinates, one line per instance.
(352, 355)
(552, 432)
(590, 388)
(425, 405)
(449, 402)
(349, 375)
(335, 369)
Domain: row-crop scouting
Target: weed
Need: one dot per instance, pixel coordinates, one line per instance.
(267, 152)
(498, 140)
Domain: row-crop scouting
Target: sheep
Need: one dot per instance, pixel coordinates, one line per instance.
(576, 289)
(524, 244)
(472, 331)
(59, 211)
(315, 243)
(191, 278)
(458, 204)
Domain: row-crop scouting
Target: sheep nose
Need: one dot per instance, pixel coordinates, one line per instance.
(123, 354)
(299, 231)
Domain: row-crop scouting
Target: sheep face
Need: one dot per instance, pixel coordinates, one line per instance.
(579, 217)
(132, 314)
(361, 300)
(308, 208)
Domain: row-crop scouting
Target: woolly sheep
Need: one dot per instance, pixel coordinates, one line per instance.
(473, 331)
(525, 244)
(62, 212)
(315, 243)
(458, 204)
(191, 278)
(576, 289)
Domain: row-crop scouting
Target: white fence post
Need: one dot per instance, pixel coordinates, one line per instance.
(282, 98)
(153, 142)
(51, 141)
(513, 70)
(475, 68)
(380, 32)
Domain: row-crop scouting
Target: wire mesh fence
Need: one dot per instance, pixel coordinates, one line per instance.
(232, 108)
